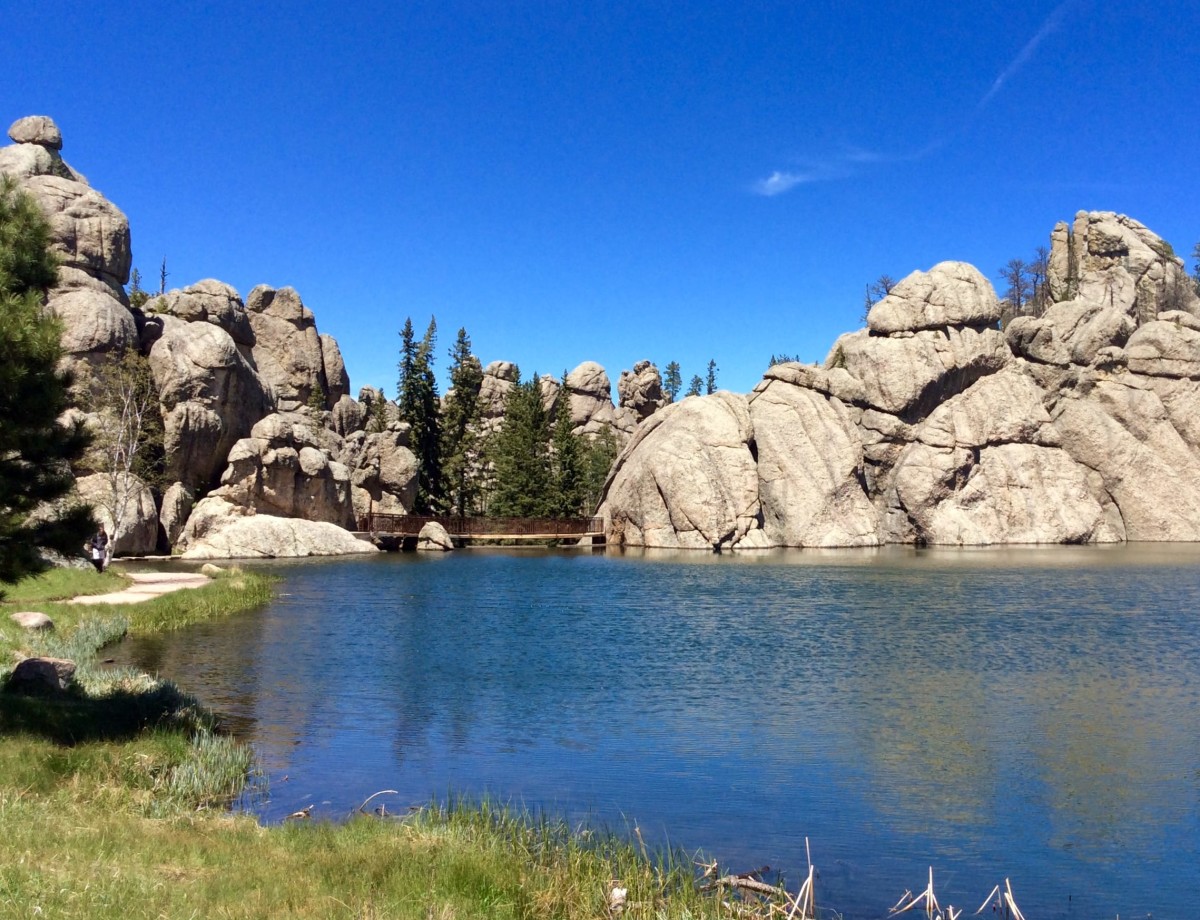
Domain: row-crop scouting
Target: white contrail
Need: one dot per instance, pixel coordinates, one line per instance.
(1052, 22)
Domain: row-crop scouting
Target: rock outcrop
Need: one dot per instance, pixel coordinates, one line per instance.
(587, 394)
(220, 530)
(640, 390)
(287, 467)
(288, 349)
(128, 497)
(933, 426)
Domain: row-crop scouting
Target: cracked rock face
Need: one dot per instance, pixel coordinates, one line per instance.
(933, 426)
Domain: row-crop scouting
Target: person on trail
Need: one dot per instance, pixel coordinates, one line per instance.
(97, 547)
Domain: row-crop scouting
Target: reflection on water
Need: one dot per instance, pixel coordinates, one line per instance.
(1031, 712)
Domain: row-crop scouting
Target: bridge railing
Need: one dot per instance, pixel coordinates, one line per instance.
(409, 525)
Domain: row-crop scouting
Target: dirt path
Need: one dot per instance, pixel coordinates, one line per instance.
(147, 585)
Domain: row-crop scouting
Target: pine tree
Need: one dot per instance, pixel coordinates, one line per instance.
(695, 386)
(460, 429)
(568, 463)
(672, 382)
(520, 456)
(35, 451)
(710, 381)
(599, 454)
(418, 400)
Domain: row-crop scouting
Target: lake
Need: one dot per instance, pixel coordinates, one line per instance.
(1028, 713)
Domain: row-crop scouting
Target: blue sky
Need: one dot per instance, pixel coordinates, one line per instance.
(610, 181)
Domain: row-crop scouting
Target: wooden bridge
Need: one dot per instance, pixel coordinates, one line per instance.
(399, 528)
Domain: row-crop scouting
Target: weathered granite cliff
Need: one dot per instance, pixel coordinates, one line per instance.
(266, 452)
(934, 426)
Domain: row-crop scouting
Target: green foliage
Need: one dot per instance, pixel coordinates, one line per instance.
(696, 385)
(784, 359)
(710, 379)
(520, 456)
(461, 445)
(137, 296)
(599, 454)
(35, 451)
(672, 382)
(317, 399)
(568, 463)
(418, 400)
(128, 433)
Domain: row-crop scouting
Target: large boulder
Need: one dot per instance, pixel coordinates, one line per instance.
(908, 375)
(36, 129)
(587, 396)
(287, 348)
(42, 676)
(208, 301)
(1114, 261)
(218, 529)
(687, 479)
(810, 468)
(949, 294)
(286, 467)
(337, 381)
(640, 390)
(126, 496)
(987, 467)
(383, 471)
(177, 504)
(210, 396)
(433, 538)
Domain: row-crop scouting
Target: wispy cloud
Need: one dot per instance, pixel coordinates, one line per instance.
(854, 159)
(782, 181)
(1052, 23)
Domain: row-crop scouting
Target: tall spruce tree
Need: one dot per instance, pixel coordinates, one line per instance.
(520, 456)
(710, 379)
(35, 451)
(418, 401)
(568, 459)
(460, 429)
(672, 381)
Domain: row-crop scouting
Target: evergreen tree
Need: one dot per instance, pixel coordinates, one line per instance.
(418, 400)
(672, 382)
(695, 386)
(35, 451)
(460, 429)
(710, 381)
(520, 456)
(1196, 268)
(598, 457)
(568, 462)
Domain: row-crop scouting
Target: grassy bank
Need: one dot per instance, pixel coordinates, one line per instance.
(108, 809)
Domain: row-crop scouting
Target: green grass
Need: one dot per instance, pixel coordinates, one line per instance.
(111, 806)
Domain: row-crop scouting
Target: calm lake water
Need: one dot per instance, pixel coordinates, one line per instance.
(1028, 713)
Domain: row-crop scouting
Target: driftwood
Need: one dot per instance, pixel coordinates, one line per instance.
(376, 795)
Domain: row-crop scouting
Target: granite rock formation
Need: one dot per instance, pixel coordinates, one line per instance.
(933, 426)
